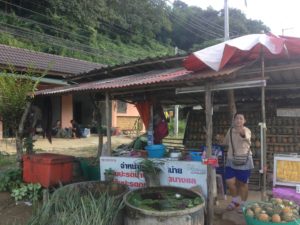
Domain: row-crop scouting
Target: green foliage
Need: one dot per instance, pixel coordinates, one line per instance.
(109, 171)
(181, 127)
(28, 144)
(148, 166)
(109, 175)
(30, 192)
(67, 207)
(10, 179)
(114, 31)
(6, 159)
(14, 94)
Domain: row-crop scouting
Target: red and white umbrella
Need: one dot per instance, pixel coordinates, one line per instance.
(243, 49)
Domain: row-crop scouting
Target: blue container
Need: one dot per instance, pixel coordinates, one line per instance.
(155, 151)
(196, 156)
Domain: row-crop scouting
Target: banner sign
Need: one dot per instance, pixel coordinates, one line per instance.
(184, 174)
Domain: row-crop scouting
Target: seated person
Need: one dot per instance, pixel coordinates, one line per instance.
(58, 131)
(56, 127)
(76, 131)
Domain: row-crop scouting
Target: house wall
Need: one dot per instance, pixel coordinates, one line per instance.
(66, 110)
(126, 120)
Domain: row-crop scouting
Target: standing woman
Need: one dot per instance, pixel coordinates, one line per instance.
(239, 162)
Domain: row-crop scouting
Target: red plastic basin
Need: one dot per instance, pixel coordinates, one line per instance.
(47, 169)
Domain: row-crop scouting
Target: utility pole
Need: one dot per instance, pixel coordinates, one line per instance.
(226, 21)
(176, 110)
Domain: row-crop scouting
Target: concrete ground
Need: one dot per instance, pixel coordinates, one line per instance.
(224, 217)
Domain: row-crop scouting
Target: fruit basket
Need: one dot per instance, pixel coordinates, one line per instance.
(272, 212)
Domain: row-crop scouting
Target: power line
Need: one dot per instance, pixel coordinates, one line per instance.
(70, 43)
(190, 25)
(54, 40)
(209, 23)
(29, 10)
(46, 25)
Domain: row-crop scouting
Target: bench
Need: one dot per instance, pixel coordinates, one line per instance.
(173, 143)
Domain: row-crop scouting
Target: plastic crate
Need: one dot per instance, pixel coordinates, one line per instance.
(155, 151)
(47, 169)
(253, 221)
(90, 172)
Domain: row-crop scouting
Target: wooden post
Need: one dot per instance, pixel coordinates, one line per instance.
(231, 105)
(263, 141)
(176, 120)
(108, 121)
(210, 195)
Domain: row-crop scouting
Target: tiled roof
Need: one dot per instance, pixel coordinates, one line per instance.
(21, 59)
(152, 78)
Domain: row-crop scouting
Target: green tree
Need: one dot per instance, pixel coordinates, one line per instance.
(16, 94)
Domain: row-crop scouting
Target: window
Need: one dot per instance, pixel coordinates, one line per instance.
(121, 107)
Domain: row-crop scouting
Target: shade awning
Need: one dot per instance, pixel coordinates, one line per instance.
(243, 49)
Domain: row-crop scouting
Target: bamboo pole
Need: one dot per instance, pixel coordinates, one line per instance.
(210, 195)
(108, 121)
(264, 128)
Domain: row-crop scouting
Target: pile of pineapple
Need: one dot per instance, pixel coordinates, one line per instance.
(276, 210)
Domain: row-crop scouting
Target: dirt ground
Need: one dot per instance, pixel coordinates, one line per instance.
(80, 147)
(12, 214)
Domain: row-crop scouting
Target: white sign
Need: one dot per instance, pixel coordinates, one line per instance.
(288, 112)
(184, 174)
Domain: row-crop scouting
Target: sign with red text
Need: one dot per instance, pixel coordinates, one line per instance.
(184, 174)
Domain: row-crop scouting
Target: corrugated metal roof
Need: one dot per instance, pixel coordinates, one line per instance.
(24, 58)
(133, 67)
(157, 78)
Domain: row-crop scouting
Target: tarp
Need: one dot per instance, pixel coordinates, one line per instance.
(144, 111)
(243, 49)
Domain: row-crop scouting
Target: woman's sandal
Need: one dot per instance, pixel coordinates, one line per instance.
(240, 208)
(232, 206)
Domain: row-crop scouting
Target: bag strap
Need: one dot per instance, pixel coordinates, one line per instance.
(233, 152)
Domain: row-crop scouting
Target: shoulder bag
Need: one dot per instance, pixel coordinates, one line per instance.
(241, 159)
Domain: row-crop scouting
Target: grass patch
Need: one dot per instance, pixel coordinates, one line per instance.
(7, 160)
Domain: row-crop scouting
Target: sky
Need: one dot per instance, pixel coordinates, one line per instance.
(279, 15)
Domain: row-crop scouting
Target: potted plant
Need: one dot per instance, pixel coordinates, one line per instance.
(109, 175)
(151, 170)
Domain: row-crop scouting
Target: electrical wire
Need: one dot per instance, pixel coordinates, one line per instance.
(189, 26)
(209, 23)
(29, 10)
(54, 40)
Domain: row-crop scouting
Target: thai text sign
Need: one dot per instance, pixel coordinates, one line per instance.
(184, 174)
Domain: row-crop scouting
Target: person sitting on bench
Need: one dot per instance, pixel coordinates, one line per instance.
(76, 131)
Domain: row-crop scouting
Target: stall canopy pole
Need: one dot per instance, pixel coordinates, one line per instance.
(108, 121)
(210, 196)
(264, 127)
(176, 120)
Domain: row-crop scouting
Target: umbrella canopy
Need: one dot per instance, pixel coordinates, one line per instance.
(243, 49)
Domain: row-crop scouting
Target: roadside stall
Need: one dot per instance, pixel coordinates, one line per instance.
(244, 65)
